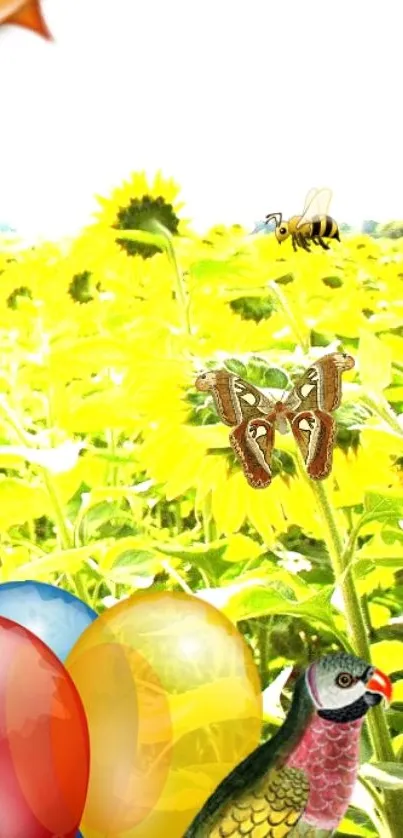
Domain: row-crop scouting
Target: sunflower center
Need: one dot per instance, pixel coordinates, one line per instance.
(139, 215)
(81, 287)
(16, 295)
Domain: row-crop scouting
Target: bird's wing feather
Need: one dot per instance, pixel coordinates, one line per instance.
(270, 810)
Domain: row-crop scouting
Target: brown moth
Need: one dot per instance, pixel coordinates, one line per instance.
(306, 411)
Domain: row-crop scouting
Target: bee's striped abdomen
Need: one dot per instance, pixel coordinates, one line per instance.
(325, 227)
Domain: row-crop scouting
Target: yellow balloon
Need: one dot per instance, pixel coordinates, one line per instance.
(173, 703)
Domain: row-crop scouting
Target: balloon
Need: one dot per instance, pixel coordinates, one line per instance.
(44, 745)
(51, 613)
(25, 13)
(173, 703)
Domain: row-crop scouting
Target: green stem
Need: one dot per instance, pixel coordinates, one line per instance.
(378, 811)
(81, 590)
(112, 470)
(180, 287)
(208, 522)
(30, 545)
(376, 720)
(158, 234)
(77, 583)
(289, 314)
(381, 408)
(176, 576)
(366, 615)
(66, 538)
(263, 638)
(95, 594)
(204, 577)
(181, 292)
(27, 441)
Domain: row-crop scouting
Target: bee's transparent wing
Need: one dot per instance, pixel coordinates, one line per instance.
(310, 196)
(317, 203)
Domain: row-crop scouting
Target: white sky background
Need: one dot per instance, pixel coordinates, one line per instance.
(247, 103)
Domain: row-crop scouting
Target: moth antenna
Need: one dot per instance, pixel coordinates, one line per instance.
(284, 394)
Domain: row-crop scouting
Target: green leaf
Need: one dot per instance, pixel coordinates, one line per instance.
(395, 717)
(217, 270)
(381, 550)
(237, 367)
(349, 829)
(143, 236)
(393, 562)
(252, 601)
(265, 375)
(259, 372)
(142, 561)
(59, 561)
(398, 747)
(383, 506)
(386, 775)
(195, 554)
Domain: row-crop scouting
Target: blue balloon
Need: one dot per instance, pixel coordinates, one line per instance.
(52, 614)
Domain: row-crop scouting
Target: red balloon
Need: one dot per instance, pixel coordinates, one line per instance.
(44, 742)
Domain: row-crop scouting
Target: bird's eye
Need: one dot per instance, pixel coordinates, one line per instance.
(345, 680)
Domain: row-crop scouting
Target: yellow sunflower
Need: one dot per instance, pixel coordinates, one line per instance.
(135, 205)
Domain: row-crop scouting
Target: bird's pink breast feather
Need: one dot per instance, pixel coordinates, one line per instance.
(328, 753)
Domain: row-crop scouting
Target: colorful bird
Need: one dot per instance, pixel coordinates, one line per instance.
(299, 783)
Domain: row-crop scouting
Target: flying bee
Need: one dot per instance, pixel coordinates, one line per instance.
(313, 225)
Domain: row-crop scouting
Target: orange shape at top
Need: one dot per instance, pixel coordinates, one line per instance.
(25, 13)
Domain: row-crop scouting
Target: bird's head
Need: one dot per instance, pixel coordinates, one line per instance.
(343, 687)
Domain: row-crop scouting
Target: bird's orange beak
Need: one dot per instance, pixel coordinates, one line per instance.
(380, 683)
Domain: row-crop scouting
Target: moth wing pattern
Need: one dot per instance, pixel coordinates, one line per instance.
(252, 442)
(306, 410)
(235, 399)
(319, 388)
(314, 432)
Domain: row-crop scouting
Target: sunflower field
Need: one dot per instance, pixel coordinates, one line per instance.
(117, 475)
